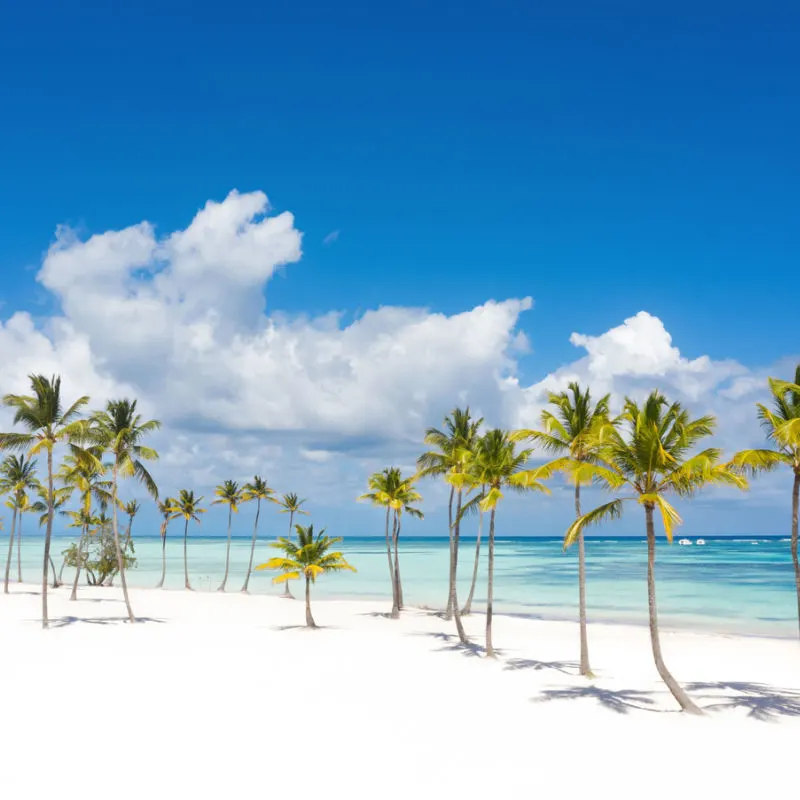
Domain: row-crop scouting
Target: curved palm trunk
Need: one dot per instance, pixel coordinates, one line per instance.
(61, 570)
(395, 609)
(56, 582)
(490, 589)
(287, 592)
(585, 669)
(186, 584)
(227, 551)
(10, 550)
(160, 584)
(448, 614)
(395, 595)
(454, 572)
(47, 536)
(118, 548)
(795, 559)
(309, 619)
(397, 582)
(81, 543)
(675, 688)
(252, 549)
(468, 607)
(19, 547)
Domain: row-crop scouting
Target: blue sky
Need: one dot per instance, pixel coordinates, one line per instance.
(604, 159)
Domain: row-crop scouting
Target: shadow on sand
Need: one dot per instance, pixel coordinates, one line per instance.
(453, 645)
(62, 622)
(765, 703)
(620, 701)
(566, 667)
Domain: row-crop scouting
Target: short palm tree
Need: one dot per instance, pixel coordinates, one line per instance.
(17, 475)
(453, 448)
(119, 430)
(781, 424)
(132, 508)
(290, 504)
(187, 507)
(573, 431)
(497, 465)
(47, 424)
(257, 490)
(230, 494)
(166, 508)
(653, 459)
(309, 557)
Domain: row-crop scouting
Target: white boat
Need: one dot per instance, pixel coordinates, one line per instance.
(685, 541)
(700, 541)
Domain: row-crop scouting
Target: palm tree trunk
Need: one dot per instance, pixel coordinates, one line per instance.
(252, 548)
(397, 582)
(391, 568)
(454, 574)
(490, 589)
(61, 569)
(120, 562)
(468, 607)
(186, 585)
(47, 536)
(676, 690)
(309, 619)
(585, 669)
(228, 551)
(79, 557)
(10, 550)
(56, 583)
(448, 614)
(287, 592)
(160, 584)
(19, 548)
(395, 596)
(795, 559)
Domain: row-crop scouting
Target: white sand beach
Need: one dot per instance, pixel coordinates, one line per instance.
(228, 695)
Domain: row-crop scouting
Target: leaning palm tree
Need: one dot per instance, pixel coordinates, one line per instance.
(187, 507)
(573, 431)
(17, 475)
(781, 424)
(453, 449)
(652, 458)
(166, 508)
(309, 557)
(119, 430)
(47, 424)
(290, 504)
(230, 494)
(257, 490)
(497, 465)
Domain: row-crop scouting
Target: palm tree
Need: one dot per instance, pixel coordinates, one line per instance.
(782, 427)
(17, 475)
(166, 509)
(653, 459)
(573, 431)
(454, 447)
(405, 496)
(308, 557)
(119, 430)
(467, 610)
(187, 506)
(62, 496)
(290, 504)
(230, 494)
(257, 490)
(132, 508)
(47, 424)
(497, 465)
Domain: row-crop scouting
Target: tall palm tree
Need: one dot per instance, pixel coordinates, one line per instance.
(453, 449)
(497, 465)
(17, 475)
(47, 424)
(573, 431)
(781, 424)
(166, 508)
(467, 610)
(119, 430)
(187, 506)
(290, 504)
(652, 458)
(405, 496)
(257, 490)
(230, 494)
(62, 496)
(308, 557)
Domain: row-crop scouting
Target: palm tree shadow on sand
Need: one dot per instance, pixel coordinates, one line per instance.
(565, 667)
(453, 645)
(63, 622)
(765, 703)
(620, 701)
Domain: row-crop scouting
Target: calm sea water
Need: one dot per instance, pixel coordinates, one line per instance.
(731, 585)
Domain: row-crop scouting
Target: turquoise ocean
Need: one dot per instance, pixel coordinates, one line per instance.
(731, 585)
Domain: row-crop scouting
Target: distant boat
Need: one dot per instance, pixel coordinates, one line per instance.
(700, 541)
(685, 541)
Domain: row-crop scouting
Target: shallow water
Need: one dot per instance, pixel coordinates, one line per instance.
(729, 585)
